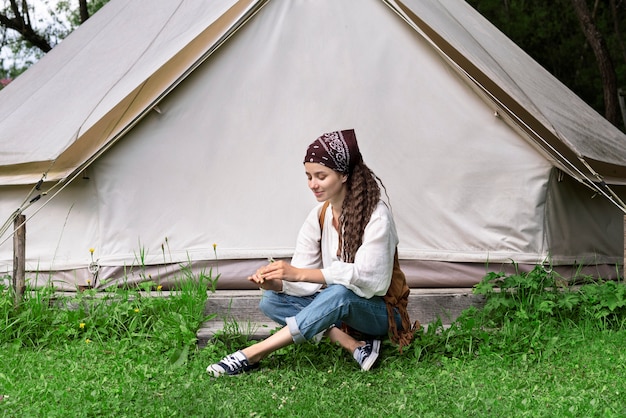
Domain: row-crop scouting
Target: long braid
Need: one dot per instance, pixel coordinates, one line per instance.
(362, 196)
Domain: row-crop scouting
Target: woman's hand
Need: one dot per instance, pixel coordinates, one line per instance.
(271, 276)
(275, 285)
(278, 270)
(263, 283)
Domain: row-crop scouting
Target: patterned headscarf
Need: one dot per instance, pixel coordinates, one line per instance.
(337, 150)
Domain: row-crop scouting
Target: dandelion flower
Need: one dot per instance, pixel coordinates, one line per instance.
(87, 341)
(159, 287)
(81, 325)
(91, 250)
(214, 246)
(136, 309)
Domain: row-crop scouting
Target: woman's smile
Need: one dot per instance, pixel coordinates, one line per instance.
(325, 183)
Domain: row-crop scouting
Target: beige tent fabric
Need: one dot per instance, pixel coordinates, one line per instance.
(115, 75)
(98, 81)
(214, 155)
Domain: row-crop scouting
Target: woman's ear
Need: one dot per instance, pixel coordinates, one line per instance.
(344, 178)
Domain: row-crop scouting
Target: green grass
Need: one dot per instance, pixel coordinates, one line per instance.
(495, 362)
(125, 379)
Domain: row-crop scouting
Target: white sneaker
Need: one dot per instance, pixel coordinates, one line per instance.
(366, 355)
(231, 365)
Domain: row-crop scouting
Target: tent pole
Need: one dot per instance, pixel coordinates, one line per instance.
(19, 258)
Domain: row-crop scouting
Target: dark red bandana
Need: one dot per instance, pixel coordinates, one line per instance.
(337, 150)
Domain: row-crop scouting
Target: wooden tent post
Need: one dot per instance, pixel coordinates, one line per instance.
(19, 258)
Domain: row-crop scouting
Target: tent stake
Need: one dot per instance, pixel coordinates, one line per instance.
(19, 258)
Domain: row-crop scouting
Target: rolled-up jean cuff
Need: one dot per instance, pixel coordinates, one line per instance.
(298, 338)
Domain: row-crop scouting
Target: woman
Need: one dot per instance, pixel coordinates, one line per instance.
(346, 248)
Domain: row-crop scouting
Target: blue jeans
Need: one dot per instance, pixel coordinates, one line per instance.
(307, 316)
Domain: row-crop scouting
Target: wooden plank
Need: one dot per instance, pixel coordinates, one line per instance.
(240, 308)
(251, 330)
(424, 304)
(19, 258)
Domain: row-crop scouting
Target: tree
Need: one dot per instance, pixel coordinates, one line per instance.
(24, 39)
(603, 59)
(17, 18)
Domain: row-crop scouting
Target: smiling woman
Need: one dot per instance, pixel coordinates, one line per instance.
(343, 281)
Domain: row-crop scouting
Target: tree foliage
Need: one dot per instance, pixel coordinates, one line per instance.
(31, 28)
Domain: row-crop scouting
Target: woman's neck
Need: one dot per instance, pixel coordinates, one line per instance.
(336, 203)
(336, 208)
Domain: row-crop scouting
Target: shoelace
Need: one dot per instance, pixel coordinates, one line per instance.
(364, 351)
(232, 362)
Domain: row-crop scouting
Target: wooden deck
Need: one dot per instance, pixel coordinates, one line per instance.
(237, 310)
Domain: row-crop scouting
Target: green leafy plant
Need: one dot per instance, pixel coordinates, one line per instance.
(605, 301)
(522, 313)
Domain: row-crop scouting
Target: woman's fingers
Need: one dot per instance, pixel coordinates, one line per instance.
(256, 278)
(271, 271)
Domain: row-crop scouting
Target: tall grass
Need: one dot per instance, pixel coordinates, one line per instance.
(45, 318)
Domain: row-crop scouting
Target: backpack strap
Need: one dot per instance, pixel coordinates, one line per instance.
(321, 219)
(323, 215)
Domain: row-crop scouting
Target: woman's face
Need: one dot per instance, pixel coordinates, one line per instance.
(326, 183)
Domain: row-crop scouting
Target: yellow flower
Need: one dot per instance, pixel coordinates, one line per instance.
(136, 309)
(88, 282)
(214, 246)
(91, 250)
(159, 287)
(82, 325)
(87, 341)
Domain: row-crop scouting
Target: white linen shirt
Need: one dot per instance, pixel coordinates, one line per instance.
(369, 275)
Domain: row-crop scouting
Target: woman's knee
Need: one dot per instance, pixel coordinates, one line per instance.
(339, 295)
(267, 304)
(278, 306)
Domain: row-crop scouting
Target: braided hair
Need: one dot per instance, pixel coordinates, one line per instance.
(362, 196)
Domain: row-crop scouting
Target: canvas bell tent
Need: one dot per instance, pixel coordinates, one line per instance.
(169, 132)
